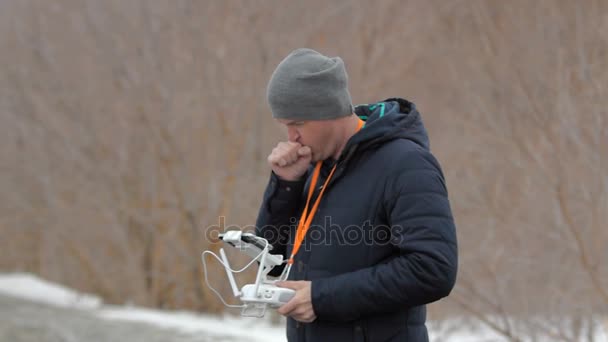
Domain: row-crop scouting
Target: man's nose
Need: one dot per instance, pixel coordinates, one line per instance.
(292, 134)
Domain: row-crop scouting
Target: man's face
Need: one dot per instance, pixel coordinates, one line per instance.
(316, 134)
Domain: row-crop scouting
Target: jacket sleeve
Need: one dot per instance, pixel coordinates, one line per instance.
(277, 213)
(423, 235)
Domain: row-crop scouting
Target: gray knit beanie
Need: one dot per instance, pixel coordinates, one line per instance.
(307, 85)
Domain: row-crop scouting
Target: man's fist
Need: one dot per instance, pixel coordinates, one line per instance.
(290, 160)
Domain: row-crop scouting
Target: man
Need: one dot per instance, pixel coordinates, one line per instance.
(358, 205)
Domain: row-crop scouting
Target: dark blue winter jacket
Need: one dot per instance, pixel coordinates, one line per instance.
(383, 241)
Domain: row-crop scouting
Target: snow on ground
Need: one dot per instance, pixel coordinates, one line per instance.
(32, 288)
(188, 322)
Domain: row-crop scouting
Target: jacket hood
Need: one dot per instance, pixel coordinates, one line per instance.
(388, 120)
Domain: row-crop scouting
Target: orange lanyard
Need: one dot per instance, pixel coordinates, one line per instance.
(307, 217)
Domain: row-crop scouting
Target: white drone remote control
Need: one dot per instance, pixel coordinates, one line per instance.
(274, 296)
(263, 293)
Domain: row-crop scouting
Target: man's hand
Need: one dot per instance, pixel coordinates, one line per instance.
(300, 306)
(290, 160)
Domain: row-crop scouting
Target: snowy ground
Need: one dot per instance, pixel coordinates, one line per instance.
(32, 309)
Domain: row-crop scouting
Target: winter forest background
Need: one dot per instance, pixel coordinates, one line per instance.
(128, 129)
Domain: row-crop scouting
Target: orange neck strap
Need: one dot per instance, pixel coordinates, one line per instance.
(307, 217)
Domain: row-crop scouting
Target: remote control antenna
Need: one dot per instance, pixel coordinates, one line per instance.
(235, 289)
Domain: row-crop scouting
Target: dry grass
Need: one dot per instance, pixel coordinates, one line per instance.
(128, 128)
